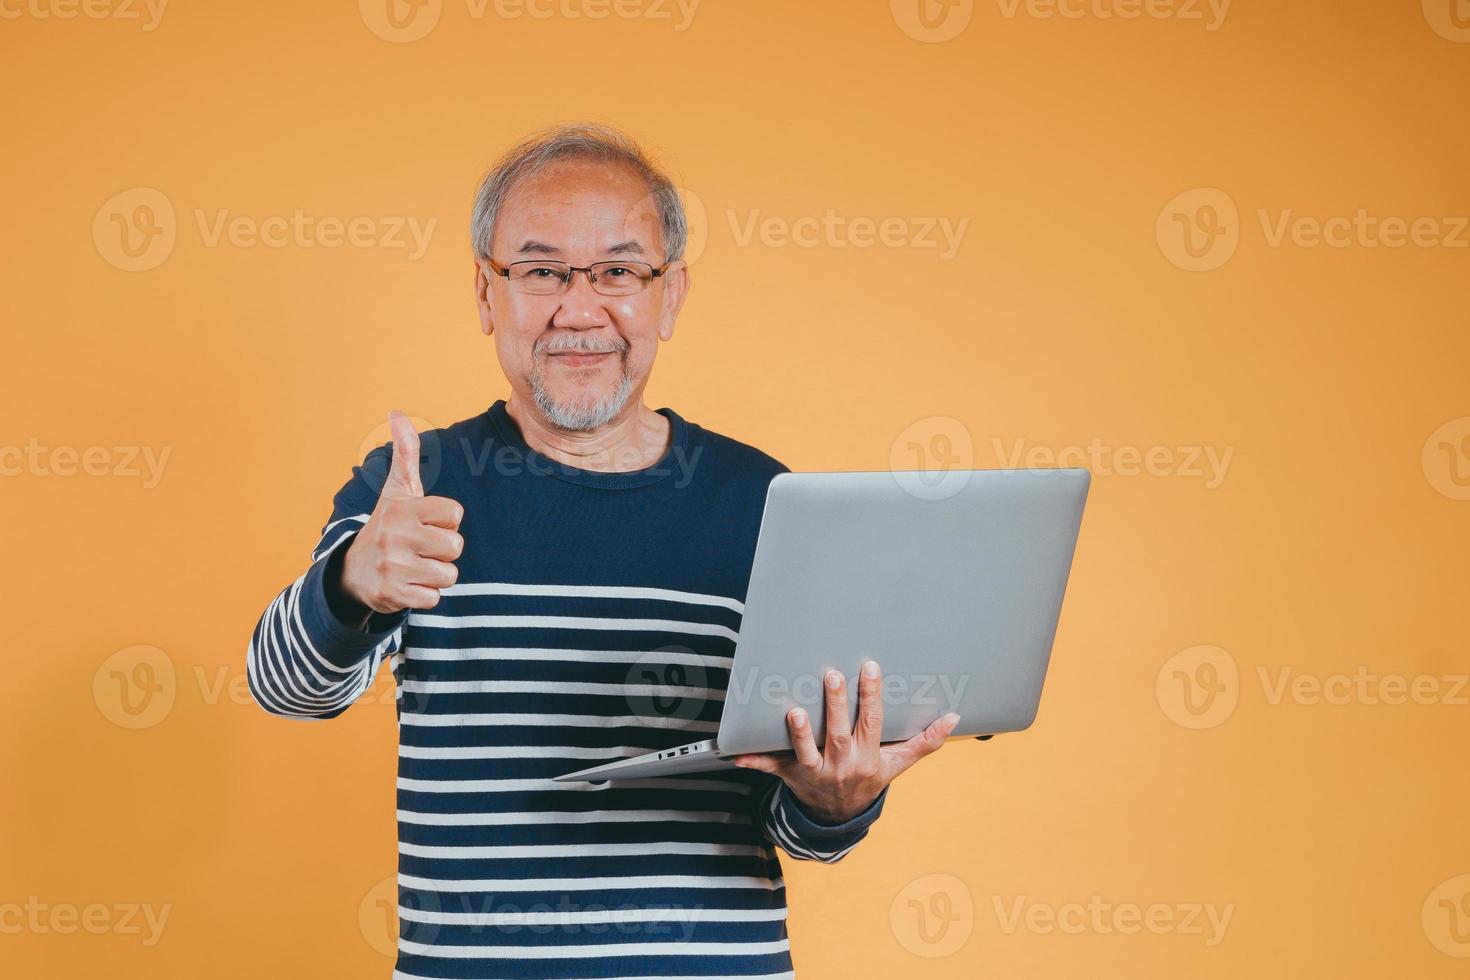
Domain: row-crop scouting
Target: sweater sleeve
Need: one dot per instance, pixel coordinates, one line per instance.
(784, 821)
(303, 661)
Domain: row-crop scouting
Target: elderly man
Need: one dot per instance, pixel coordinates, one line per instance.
(559, 581)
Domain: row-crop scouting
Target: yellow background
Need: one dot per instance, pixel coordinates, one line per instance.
(1335, 543)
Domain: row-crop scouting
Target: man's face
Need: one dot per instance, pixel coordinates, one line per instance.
(580, 357)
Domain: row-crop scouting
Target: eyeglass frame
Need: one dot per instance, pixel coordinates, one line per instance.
(572, 270)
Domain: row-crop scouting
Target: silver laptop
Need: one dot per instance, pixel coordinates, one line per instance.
(951, 580)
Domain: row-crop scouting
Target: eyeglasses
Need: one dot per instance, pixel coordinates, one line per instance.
(547, 277)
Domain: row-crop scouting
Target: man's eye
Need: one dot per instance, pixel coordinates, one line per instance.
(617, 272)
(542, 271)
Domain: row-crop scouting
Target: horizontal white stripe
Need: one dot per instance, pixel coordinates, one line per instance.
(519, 752)
(288, 676)
(592, 592)
(602, 949)
(531, 785)
(330, 530)
(591, 916)
(581, 721)
(615, 688)
(540, 817)
(716, 660)
(786, 835)
(431, 621)
(743, 882)
(490, 852)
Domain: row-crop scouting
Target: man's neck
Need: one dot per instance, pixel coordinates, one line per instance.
(634, 440)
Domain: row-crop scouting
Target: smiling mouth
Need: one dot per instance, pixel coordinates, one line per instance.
(579, 358)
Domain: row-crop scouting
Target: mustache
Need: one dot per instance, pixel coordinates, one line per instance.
(574, 344)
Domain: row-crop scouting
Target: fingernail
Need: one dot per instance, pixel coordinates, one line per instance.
(833, 679)
(952, 718)
(870, 669)
(798, 717)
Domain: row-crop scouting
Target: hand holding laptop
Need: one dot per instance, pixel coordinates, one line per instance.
(958, 592)
(845, 777)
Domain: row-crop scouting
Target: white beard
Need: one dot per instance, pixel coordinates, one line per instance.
(579, 418)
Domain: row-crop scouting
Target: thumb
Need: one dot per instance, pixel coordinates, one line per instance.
(403, 478)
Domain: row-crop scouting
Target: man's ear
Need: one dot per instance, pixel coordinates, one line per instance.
(483, 301)
(676, 288)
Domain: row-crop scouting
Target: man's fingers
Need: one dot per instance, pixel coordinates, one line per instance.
(839, 725)
(433, 574)
(442, 512)
(435, 542)
(403, 478)
(762, 761)
(802, 739)
(870, 705)
(931, 739)
(417, 597)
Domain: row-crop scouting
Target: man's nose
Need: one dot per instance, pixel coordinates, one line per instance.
(581, 305)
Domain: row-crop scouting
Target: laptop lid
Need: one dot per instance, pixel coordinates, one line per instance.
(952, 581)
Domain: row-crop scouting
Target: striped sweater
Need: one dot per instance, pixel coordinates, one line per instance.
(595, 617)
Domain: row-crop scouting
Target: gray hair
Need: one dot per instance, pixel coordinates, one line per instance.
(575, 141)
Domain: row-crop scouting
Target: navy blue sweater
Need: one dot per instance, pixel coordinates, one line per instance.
(595, 618)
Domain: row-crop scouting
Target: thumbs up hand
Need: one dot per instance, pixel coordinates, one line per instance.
(404, 554)
(403, 476)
